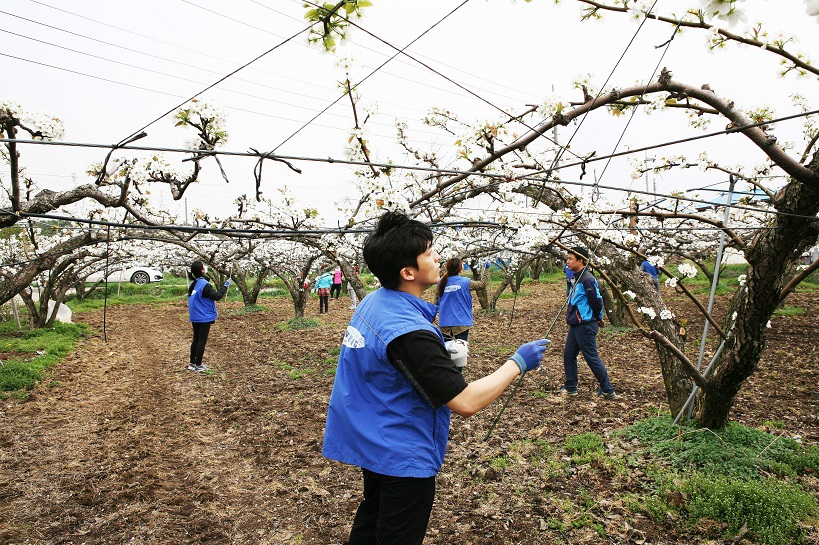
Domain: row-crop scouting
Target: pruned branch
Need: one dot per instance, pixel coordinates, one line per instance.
(687, 366)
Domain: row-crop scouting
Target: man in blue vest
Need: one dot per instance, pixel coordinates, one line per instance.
(584, 316)
(396, 384)
(652, 271)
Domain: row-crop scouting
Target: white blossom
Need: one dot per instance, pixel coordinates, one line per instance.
(671, 282)
(666, 314)
(631, 240)
(656, 260)
(648, 311)
(742, 279)
(734, 316)
(552, 105)
(688, 270)
(630, 294)
(724, 10)
(768, 325)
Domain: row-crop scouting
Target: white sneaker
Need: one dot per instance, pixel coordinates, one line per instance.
(201, 368)
(191, 367)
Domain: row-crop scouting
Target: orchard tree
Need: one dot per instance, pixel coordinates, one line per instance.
(500, 159)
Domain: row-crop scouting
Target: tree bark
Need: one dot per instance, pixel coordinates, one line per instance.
(770, 255)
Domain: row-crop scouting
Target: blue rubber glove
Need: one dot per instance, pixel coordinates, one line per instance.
(227, 283)
(528, 356)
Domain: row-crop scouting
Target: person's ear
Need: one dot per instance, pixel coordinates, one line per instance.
(407, 273)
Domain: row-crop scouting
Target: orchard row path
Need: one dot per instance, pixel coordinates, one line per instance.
(122, 445)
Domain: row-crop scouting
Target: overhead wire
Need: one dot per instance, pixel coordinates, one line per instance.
(181, 78)
(236, 108)
(352, 88)
(402, 51)
(499, 178)
(516, 99)
(165, 59)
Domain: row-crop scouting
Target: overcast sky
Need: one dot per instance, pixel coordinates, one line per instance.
(110, 67)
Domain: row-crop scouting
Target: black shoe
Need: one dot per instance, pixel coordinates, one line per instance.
(606, 395)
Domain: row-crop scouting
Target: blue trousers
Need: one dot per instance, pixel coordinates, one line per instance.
(583, 338)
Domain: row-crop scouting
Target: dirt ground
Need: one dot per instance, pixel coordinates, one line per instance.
(123, 445)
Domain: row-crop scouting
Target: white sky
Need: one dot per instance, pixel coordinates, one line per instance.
(509, 53)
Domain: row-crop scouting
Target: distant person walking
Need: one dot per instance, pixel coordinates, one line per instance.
(652, 271)
(322, 287)
(584, 316)
(336, 287)
(202, 299)
(455, 300)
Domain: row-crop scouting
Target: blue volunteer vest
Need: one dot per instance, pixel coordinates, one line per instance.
(456, 303)
(376, 419)
(201, 310)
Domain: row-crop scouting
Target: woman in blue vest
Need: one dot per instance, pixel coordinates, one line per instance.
(202, 299)
(455, 301)
(395, 385)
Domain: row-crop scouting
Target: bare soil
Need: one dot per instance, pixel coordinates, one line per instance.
(123, 445)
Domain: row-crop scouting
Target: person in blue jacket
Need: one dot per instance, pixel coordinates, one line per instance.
(202, 299)
(455, 300)
(323, 284)
(652, 271)
(584, 316)
(396, 384)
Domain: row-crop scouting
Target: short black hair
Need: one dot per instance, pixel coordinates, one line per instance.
(580, 252)
(396, 243)
(197, 268)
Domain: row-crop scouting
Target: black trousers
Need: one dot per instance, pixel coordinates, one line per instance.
(394, 511)
(324, 304)
(200, 338)
(335, 288)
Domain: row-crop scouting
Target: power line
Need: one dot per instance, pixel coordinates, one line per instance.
(372, 72)
(301, 3)
(90, 75)
(402, 51)
(277, 75)
(500, 178)
(174, 76)
(236, 108)
(692, 138)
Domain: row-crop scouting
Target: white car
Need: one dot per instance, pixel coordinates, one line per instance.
(137, 275)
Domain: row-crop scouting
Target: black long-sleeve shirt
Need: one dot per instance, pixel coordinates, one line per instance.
(421, 357)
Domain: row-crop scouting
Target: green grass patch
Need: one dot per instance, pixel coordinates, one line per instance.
(584, 448)
(736, 451)
(296, 324)
(790, 311)
(30, 353)
(770, 510)
(742, 477)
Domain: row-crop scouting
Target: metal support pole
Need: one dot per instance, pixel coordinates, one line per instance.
(714, 282)
(690, 400)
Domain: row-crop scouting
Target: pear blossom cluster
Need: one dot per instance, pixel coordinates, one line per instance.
(687, 270)
(43, 126)
(648, 311)
(724, 10)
